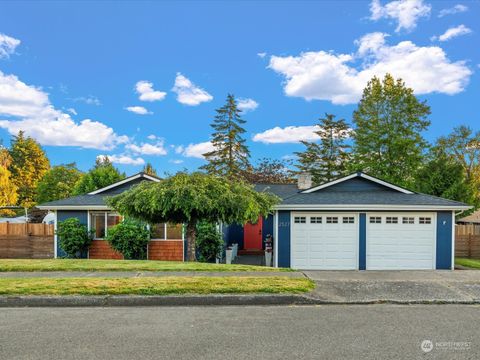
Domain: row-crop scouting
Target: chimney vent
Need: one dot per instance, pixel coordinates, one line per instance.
(304, 181)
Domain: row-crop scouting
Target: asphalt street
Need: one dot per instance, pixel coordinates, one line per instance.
(268, 332)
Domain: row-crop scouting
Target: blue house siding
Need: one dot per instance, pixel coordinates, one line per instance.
(233, 234)
(63, 215)
(444, 240)
(267, 228)
(283, 241)
(362, 246)
(357, 185)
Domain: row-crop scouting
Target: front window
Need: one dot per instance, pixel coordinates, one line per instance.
(101, 221)
(166, 231)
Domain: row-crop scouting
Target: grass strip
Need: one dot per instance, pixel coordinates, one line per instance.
(121, 265)
(170, 285)
(471, 263)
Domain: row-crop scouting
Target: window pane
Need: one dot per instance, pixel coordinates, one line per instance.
(158, 231)
(113, 219)
(300, 220)
(97, 223)
(174, 231)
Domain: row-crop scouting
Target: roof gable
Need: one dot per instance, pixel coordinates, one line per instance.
(125, 184)
(358, 182)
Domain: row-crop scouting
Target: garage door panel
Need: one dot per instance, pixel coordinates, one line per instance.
(324, 246)
(400, 246)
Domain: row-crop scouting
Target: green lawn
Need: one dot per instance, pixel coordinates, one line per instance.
(120, 265)
(471, 263)
(169, 285)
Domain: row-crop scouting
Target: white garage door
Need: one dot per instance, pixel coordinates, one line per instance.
(401, 241)
(322, 241)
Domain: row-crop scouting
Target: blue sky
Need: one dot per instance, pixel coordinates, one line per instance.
(139, 81)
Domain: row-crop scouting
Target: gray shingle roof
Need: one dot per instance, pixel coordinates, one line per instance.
(290, 195)
(80, 200)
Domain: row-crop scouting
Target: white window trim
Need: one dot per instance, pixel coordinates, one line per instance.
(106, 213)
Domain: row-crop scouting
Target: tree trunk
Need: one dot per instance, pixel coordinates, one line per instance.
(191, 239)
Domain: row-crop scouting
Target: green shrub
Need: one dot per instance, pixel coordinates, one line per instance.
(130, 238)
(209, 242)
(74, 237)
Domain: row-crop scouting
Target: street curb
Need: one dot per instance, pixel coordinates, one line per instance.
(152, 300)
(200, 300)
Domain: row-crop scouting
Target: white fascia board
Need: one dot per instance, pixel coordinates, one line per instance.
(323, 186)
(369, 207)
(124, 181)
(362, 175)
(72, 207)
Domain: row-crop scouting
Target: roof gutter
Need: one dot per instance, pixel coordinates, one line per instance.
(372, 207)
(73, 207)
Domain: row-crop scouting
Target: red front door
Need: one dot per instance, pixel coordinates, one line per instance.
(252, 235)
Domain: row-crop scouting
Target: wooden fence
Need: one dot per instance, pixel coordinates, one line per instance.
(467, 241)
(26, 241)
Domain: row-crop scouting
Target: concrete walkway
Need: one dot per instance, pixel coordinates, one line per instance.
(119, 274)
(396, 286)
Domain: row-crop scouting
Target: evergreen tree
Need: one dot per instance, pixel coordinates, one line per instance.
(326, 160)
(101, 175)
(8, 190)
(29, 164)
(229, 156)
(58, 183)
(388, 137)
(149, 169)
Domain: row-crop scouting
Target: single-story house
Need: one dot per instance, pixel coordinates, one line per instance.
(472, 219)
(168, 239)
(357, 222)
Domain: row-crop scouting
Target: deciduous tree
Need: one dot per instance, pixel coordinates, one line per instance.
(8, 190)
(101, 175)
(269, 171)
(389, 122)
(191, 198)
(58, 183)
(29, 164)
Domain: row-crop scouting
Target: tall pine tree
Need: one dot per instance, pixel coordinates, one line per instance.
(327, 159)
(29, 164)
(389, 122)
(230, 155)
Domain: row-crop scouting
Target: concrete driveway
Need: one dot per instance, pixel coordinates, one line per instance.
(437, 286)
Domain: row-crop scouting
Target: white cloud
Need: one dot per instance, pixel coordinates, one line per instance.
(140, 110)
(261, 54)
(89, 100)
(459, 8)
(321, 75)
(8, 45)
(157, 149)
(28, 108)
(146, 92)
(123, 159)
(72, 111)
(188, 93)
(151, 137)
(176, 161)
(247, 105)
(288, 134)
(405, 12)
(452, 33)
(196, 150)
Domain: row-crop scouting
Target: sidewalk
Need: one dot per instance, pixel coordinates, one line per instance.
(402, 287)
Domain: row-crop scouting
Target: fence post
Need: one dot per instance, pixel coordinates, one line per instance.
(469, 242)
